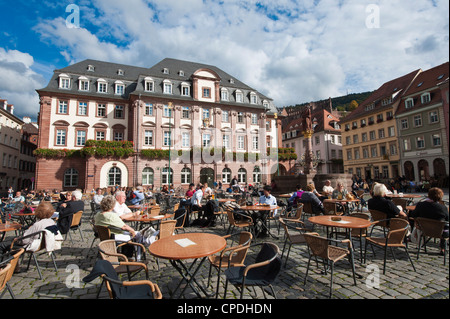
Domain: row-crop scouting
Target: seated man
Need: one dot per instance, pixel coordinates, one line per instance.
(309, 197)
(327, 188)
(19, 198)
(67, 210)
(139, 196)
(269, 199)
(120, 207)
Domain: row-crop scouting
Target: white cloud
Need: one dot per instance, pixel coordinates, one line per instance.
(18, 82)
(293, 51)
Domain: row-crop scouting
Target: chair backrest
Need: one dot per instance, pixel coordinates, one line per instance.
(357, 232)
(329, 207)
(307, 208)
(318, 245)
(400, 201)
(430, 227)
(104, 233)
(269, 262)
(299, 211)
(379, 217)
(181, 219)
(108, 251)
(154, 211)
(230, 215)
(76, 219)
(398, 228)
(3, 274)
(167, 228)
(359, 193)
(16, 254)
(245, 239)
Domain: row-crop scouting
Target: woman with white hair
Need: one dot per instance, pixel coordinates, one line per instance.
(380, 203)
(67, 209)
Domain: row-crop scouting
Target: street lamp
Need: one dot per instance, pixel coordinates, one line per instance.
(276, 134)
(170, 107)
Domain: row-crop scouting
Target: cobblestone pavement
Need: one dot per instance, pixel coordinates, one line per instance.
(430, 281)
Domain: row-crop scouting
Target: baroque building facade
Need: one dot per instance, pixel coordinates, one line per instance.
(183, 121)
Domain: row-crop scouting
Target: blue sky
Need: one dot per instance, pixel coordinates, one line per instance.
(293, 51)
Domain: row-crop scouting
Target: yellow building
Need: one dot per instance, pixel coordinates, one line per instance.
(369, 135)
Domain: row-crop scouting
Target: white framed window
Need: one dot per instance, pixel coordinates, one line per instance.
(425, 98)
(240, 142)
(61, 137)
(83, 84)
(224, 96)
(82, 108)
(206, 92)
(256, 175)
(406, 144)
(149, 109)
(120, 88)
(381, 133)
(240, 117)
(242, 175)
(167, 111)
(118, 136)
(206, 140)
(391, 131)
(64, 82)
(185, 89)
(167, 87)
(81, 138)
(185, 139)
(62, 107)
(373, 151)
(119, 112)
(205, 114)
(409, 103)
(226, 176)
(166, 177)
(185, 112)
(148, 138)
(186, 175)
(393, 149)
(225, 116)
(101, 110)
(167, 140)
(239, 96)
(114, 176)
(102, 86)
(147, 176)
(255, 142)
(254, 118)
(253, 98)
(100, 136)
(226, 141)
(149, 84)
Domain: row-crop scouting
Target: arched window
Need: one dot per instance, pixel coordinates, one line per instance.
(185, 175)
(71, 177)
(256, 175)
(226, 176)
(242, 175)
(114, 176)
(147, 176)
(165, 176)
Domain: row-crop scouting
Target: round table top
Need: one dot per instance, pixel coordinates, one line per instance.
(224, 200)
(404, 195)
(10, 227)
(147, 218)
(259, 207)
(23, 214)
(341, 200)
(187, 246)
(285, 195)
(345, 222)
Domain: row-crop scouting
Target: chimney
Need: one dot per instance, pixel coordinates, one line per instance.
(11, 108)
(27, 119)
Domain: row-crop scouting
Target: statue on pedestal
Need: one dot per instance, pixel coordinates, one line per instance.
(307, 133)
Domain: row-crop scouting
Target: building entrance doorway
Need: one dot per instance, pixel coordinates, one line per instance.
(207, 176)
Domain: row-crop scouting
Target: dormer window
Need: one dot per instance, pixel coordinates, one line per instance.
(83, 83)
(231, 81)
(370, 107)
(102, 86)
(91, 68)
(120, 72)
(119, 88)
(266, 105)
(386, 101)
(253, 98)
(239, 96)
(149, 84)
(425, 98)
(224, 94)
(167, 87)
(440, 76)
(185, 89)
(409, 103)
(181, 73)
(166, 71)
(64, 81)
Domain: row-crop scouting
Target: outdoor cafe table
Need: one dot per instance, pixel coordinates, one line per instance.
(347, 222)
(181, 247)
(9, 226)
(146, 218)
(343, 201)
(26, 219)
(265, 209)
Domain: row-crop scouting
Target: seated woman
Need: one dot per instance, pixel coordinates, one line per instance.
(380, 203)
(340, 192)
(43, 214)
(121, 231)
(309, 196)
(432, 208)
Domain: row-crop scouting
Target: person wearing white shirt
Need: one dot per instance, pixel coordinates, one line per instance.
(327, 188)
(196, 199)
(120, 207)
(98, 197)
(269, 199)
